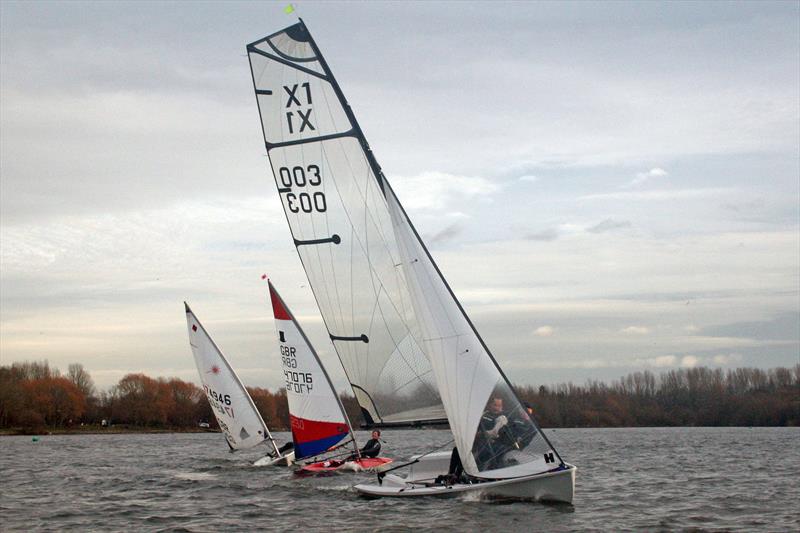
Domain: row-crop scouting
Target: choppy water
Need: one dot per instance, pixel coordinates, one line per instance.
(628, 479)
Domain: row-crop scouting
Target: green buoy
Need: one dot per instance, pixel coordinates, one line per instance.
(35, 439)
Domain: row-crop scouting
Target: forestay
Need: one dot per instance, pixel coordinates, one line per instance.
(318, 419)
(235, 411)
(495, 436)
(332, 193)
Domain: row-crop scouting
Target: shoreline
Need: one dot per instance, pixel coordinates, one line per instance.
(96, 430)
(19, 432)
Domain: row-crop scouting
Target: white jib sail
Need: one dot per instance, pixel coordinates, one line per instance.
(330, 189)
(317, 416)
(236, 414)
(494, 434)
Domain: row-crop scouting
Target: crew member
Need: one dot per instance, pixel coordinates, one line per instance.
(371, 449)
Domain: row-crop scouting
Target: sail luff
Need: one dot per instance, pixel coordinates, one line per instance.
(235, 376)
(319, 362)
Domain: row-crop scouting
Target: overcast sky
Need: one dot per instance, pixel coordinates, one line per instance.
(607, 187)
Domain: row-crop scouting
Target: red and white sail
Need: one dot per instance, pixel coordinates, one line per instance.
(317, 417)
(233, 407)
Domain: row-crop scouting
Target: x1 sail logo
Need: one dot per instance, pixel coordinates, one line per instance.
(548, 458)
(194, 327)
(214, 370)
(281, 337)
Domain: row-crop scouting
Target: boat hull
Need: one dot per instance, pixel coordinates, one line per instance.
(367, 464)
(286, 460)
(555, 486)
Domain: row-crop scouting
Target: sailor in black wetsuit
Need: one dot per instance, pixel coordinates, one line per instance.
(283, 450)
(372, 448)
(288, 447)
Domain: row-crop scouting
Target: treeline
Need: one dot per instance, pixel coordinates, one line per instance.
(35, 396)
(687, 397)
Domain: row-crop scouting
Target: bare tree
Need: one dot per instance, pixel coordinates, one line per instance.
(81, 378)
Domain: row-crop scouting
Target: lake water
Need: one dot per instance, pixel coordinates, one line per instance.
(654, 479)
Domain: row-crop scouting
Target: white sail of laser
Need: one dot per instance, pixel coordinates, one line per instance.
(236, 414)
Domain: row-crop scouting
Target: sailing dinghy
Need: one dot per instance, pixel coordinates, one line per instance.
(318, 419)
(406, 343)
(236, 414)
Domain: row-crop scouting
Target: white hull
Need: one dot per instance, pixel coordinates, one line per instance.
(556, 486)
(286, 460)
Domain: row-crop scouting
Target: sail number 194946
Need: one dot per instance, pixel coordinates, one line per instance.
(298, 176)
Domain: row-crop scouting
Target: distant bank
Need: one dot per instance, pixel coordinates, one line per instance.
(98, 430)
(37, 399)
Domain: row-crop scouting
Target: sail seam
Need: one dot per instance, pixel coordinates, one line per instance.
(287, 63)
(286, 56)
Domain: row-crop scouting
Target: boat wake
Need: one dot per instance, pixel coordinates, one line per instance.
(195, 476)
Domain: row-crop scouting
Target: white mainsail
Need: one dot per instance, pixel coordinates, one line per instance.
(332, 193)
(384, 300)
(317, 416)
(238, 418)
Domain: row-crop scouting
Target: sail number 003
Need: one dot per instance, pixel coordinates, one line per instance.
(307, 202)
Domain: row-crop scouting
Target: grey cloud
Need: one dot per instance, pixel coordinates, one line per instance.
(755, 204)
(549, 234)
(609, 224)
(447, 234)
(784, 327)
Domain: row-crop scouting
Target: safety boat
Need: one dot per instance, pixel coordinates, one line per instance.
(236, 414)
(408, 347)
(320, 425)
